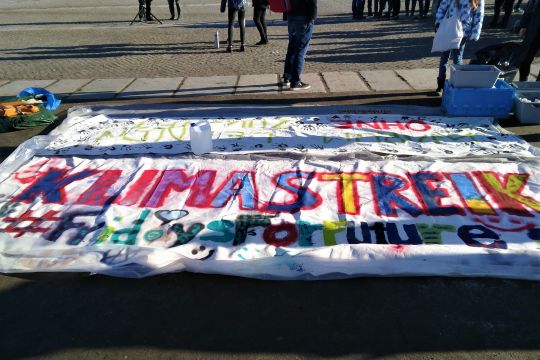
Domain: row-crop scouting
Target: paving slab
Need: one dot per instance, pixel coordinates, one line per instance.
(3, 82)
(384, 80)
(66, 87)
(151, 88)
(100, 89)
(15, 87)
(258, 84)
(313, 79)
(534, 71)
(211, 85)
(420, 79)
(344, 81)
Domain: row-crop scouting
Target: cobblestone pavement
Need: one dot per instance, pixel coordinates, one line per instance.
(61, 39)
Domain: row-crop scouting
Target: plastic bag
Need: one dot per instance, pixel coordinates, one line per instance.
(501, 56)
(449, 33)
(50, 102)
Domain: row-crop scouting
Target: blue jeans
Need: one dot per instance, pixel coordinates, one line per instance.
(300, 31)
(457, 57)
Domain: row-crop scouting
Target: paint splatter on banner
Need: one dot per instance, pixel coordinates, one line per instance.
(146, 214)
(319, 135)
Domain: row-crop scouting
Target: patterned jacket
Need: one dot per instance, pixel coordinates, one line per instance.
(471, 19)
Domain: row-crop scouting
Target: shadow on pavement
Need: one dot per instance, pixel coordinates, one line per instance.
(191, 312)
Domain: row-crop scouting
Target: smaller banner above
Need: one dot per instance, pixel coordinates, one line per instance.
(328, 135)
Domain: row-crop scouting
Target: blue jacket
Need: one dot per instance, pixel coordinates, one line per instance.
(471, 19)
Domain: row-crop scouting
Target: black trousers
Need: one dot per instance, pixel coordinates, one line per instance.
(148, 11)
(171, 7)
(241, 21)
(259, 18)
(507, 6)
(525, 66)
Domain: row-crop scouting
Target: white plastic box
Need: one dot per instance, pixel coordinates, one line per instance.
(527, 112)
(473, 76)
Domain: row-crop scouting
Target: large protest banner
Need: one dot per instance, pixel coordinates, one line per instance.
(327, 135)
(145, 214)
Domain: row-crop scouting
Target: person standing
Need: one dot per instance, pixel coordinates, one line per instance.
(172, 3)
(259, 18)
(530, 29)
(471, 14)
(300, 23)
(235, 6)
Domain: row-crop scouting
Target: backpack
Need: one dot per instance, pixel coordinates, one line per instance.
(280, 6)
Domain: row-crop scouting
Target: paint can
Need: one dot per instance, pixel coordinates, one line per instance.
(200, 137)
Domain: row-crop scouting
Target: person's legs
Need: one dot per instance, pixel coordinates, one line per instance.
(302, 30)
(525, 66)
(507, 6)
(242, 23)
(370, 7)
(441, 77)
(396, 7)
(426, 7)
(413, 7)
(148, 10)
(496, 12)
(355, 9)
(230, 29)
(360, 8)
(290, 53)
(389, 8)
(421, 10)
(178, 9)
(257, 15)
(263, 22)
(171, 8)
(457, 55)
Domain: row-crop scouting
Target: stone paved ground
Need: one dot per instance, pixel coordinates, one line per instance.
(61, 39)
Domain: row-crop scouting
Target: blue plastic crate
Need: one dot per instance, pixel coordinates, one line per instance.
(496, 101)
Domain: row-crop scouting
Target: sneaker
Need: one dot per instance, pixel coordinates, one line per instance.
(300, 86)
(229, 49)
(242, 48)
(285, 82)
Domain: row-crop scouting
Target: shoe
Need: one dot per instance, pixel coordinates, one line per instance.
(285, 82)
(503, 25)
(242, 48)
(300, 86)
(171, 18)
(370, 14)
(396, 17)
(440, 86)
(262, 42)
(229, 49)
(362, 17)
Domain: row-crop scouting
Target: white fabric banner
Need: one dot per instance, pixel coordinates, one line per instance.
(328, 135)
(281, 219)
